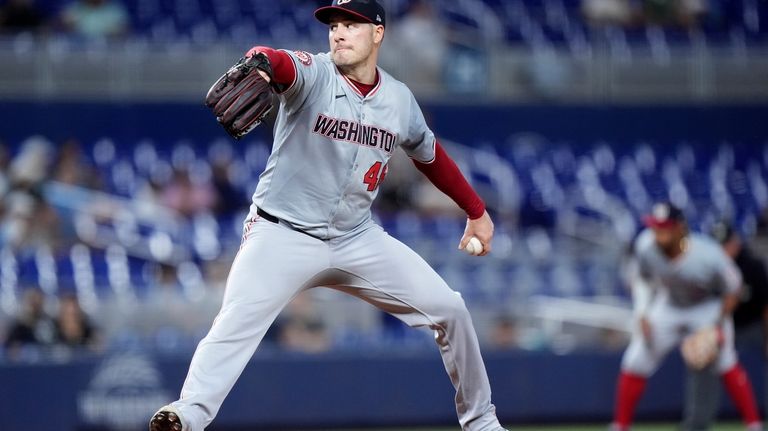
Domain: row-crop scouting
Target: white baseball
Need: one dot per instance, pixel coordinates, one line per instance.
(474, 247)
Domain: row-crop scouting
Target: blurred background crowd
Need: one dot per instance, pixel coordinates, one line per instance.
(131, 239)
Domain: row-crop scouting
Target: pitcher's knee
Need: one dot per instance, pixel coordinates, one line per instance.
(453, 309)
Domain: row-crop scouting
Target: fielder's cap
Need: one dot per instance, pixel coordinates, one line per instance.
(722, 231)
(664, 215)
(365, 10)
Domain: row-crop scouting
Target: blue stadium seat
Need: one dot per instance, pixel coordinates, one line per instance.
(715, 179)
(531, 22)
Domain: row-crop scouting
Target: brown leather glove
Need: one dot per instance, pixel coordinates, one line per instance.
(241, 98)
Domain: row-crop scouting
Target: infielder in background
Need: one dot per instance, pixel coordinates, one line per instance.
(684, 283)
(341, 118)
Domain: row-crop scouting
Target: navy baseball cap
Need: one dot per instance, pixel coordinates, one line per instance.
(365, 10)
(664, 215)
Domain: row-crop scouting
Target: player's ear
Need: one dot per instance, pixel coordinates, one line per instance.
(378, 34)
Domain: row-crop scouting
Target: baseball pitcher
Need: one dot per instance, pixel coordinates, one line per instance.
(684, 290)
(340, 119)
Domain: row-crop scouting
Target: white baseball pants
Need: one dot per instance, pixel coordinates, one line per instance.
(669, 324)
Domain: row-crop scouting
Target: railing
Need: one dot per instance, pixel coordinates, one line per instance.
(605, 70)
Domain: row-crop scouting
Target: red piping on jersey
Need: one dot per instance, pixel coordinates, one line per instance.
(283, 69)
(378, 84)
(446, 176)
(364, 89)
(356, 85)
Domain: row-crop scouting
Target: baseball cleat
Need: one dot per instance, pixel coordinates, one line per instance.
(166, 419)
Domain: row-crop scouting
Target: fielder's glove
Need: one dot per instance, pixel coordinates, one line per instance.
(701, 348)
(241, 98)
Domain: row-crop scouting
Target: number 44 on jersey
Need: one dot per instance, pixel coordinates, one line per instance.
(375, 176)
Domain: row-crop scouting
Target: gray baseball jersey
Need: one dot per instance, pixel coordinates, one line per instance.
(687, 297)
(332, 145)
(702, 272)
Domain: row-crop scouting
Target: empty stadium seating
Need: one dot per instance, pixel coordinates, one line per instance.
(566, 185)
(608, 185)
(529, 22)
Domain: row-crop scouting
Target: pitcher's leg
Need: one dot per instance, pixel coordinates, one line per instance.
(269, 270)
(455, 335)
(391, 276)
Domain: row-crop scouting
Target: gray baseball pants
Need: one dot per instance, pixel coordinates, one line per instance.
(275, 263)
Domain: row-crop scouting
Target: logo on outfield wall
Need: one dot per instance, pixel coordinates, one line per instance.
(123, 393)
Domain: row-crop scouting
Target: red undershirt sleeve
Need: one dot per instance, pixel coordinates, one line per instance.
(283, 69)
(447, 177)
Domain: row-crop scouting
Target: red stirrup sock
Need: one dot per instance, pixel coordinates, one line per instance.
(629, 389)
(737, 384)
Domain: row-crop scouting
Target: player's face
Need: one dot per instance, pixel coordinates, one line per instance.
(352, 42)
(668, 238)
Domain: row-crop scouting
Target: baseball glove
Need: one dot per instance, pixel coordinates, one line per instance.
(701, 348)
(241, 98)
